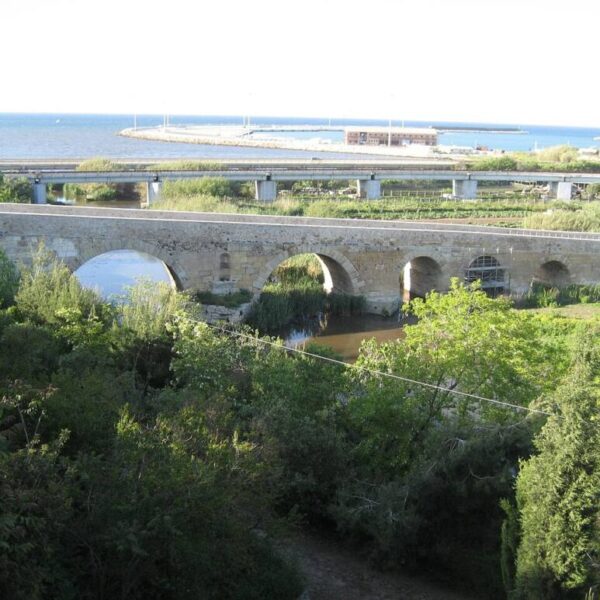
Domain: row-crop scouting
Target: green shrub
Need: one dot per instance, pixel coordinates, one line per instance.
(217, 187)
(188, 165)
(231, 300)
(9, 281)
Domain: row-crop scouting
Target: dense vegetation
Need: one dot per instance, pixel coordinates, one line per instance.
(578, 217)
(99, 191)
(295, 291)
(557, 158)
(144, 454)
(15, 190)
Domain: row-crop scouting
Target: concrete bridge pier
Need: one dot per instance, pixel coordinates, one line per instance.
(370, 189)
(266, 191)
(40, 194)
(560, 190)
(153, 192)
(465, 189)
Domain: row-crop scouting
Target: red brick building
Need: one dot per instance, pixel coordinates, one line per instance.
(390, 136)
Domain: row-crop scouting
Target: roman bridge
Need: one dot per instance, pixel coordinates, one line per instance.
(378, 259)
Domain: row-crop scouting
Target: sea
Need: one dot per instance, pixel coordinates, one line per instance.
(74, 136)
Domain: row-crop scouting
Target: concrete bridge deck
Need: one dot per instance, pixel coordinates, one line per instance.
(378, 259)
(368, 175)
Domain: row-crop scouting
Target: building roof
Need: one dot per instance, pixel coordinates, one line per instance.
(383, 129)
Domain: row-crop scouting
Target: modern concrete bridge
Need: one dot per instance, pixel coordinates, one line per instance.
(378, 259)
(464, 184)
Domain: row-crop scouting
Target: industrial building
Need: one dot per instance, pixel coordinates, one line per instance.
(390, 136)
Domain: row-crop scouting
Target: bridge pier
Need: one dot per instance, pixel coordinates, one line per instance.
(153, 192)
(266, 191)
(40, 194)
(560, 190)
(465, 189)
(369, 189)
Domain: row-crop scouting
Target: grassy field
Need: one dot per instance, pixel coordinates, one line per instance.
(507, 212)
(573, 311)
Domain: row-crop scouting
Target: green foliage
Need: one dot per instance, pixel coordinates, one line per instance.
(148, 308)
(49, 293)
(9, 280)
(98, 191)
(509, 541)
(560, 154)
(295, 290)
(501, 163)
(579, 218)
(540, 295)
(231, 300)
(188, 165)
(217, 187)
(558, 491)
(15, 189)
(98, 163)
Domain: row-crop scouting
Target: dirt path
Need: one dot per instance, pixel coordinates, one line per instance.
(334, 572)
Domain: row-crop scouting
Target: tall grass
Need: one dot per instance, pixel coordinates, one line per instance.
(581, 217)
(295, 290)
(148, 307)
(204, 186)
(543, 296)
(399, 207)
(48, 290)
(188, 165)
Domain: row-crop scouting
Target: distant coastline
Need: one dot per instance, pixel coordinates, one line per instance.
(234, 136)
(478, 129)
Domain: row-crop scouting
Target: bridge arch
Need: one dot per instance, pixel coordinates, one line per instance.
(420, 275)
(339, 273)
(554, 273)
(488, 270)
(175, 271)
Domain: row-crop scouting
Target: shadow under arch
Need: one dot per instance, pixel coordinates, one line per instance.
(113, 270)
(420, 275)
(339, 273)
(553, 273)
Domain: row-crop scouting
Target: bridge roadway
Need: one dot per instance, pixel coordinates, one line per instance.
(378, 259)
(368, 175)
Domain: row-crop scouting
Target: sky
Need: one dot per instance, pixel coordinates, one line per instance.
(494, 61)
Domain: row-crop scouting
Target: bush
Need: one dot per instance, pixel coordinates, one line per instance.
(9, 281)
(206, 186)
(17, 190)
(228, 300)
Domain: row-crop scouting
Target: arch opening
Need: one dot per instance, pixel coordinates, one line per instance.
(112, 272)
(324, 269)
(420, 276)
(489, 272)
(552, 274)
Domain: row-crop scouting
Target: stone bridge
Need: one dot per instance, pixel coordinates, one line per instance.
(378, 259)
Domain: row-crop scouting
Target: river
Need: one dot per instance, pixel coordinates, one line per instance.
(110, 274)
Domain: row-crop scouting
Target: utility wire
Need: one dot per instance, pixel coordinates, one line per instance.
(378, 373)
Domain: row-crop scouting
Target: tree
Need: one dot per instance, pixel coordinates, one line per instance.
(558, 493)
(9, 280)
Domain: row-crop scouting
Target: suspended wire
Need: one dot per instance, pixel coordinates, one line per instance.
(376, 372)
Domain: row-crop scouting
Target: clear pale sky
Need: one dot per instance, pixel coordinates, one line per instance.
(503, 61)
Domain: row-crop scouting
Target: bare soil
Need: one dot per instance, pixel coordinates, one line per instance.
(335, 572)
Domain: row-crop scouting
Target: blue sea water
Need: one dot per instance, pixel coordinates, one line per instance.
(75, 136)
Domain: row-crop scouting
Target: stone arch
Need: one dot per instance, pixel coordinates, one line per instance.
(488, 270)
(340, 274)
(420, 275)
(553, 273)
(176, 271)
